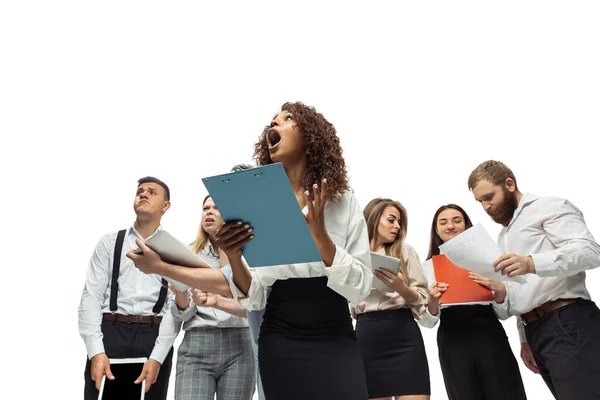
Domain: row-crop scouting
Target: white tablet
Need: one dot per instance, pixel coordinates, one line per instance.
(126, 372)
(175, 252)
(381, 261)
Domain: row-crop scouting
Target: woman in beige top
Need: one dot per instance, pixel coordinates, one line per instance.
(390, 341)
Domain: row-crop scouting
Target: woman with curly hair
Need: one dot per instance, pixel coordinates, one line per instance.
(390, 340)
(307, 345)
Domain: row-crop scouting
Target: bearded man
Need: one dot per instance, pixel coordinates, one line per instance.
(546, 240)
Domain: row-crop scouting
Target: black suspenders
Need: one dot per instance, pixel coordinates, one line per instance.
(114, 283)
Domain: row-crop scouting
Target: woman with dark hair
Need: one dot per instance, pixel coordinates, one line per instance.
(307, 345)
(475, 356)
(390, 340)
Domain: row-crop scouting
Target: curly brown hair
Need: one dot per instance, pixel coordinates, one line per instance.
(323, 151)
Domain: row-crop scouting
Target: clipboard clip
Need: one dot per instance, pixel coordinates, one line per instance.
(258, 172)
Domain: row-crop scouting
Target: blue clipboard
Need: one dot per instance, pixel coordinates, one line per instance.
(263, 198)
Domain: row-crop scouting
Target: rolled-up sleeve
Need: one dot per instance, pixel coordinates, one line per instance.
(256, 299)
(186, 314)
(428, 320)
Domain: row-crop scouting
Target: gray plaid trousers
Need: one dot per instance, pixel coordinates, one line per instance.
(215, 360)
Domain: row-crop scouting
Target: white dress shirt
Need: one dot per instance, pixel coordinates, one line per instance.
(553, 232)
(350, 274)
(429, 320)
(199, 317)
(137, 295)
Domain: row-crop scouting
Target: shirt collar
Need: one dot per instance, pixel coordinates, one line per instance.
(209, 250)
(527, 199)
(133, 231)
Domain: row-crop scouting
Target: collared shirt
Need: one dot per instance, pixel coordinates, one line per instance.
(198, 317)
(379, 300)
(137, 295)
(553, 232)
(429, 321)
(350, 273)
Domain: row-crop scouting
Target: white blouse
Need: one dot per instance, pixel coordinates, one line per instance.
(350, 274)
(199, 317)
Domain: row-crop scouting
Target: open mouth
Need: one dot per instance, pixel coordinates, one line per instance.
(273, 138)
(209, 220)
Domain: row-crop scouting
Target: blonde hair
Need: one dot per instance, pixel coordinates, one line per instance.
(202, 237)
(492, 171)
(372, 213)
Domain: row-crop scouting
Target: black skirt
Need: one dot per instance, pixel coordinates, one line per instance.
(476, 359)
(393, 353)
(307, 348)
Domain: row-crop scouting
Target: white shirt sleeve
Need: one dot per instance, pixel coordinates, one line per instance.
(416, 281)
(503, 310)
(521, 330)
(183, 315)
(257, 294)
(167, 332)
(576, 248)
(351, 273)
(427, 319)
(90, 307)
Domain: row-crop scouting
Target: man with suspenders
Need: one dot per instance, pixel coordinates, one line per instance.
(207, 279)
(124, 313)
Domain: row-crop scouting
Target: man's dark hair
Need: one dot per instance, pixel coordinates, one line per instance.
(151, 179)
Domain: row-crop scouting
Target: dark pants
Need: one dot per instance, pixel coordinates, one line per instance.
(476, 359)
(123, 340)
(566, 347)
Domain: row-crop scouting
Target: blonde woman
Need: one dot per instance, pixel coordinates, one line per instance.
(390, 341)
(215, 355)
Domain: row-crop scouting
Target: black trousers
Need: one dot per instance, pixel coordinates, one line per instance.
(123, 340)
(475, 356)
(566, 347)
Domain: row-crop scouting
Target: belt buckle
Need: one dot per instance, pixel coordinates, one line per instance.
(128, 319)
(539, 313)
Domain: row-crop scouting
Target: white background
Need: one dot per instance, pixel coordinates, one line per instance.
(94, 95)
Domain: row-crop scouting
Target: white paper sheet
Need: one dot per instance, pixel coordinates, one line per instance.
(476, 251)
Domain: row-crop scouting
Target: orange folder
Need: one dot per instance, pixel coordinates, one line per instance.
(462, 289)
